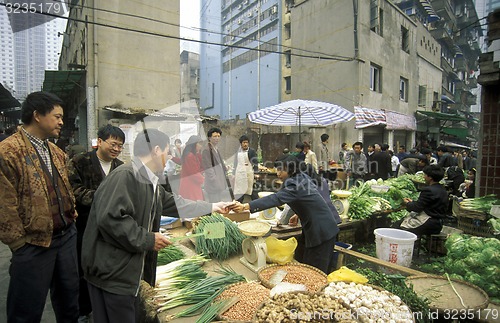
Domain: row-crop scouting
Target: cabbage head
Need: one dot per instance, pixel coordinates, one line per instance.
(492, 289)
(457, 276)
(473, 262)
(452, 239)
(475, 244)
(492, 243)
(475, 279)
(458, 250)
(492, 274)
(490, 256)
(456, 267)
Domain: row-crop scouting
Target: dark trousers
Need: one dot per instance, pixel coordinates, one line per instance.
(320, 256)
(34, 271)
(83, 297)
(111, 308)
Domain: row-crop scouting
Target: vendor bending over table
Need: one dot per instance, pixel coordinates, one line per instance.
(319, 227)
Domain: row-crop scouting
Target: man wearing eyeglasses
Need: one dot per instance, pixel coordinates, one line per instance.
(86, 172)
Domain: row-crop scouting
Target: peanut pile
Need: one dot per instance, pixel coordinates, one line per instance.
(312, 279)
(250, 295)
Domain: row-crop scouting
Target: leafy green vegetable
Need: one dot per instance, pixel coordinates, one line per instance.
(169, 254)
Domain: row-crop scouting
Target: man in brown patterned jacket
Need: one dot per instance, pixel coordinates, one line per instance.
(37, 215)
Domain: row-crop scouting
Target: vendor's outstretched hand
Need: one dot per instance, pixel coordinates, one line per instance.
(238, 207)
(406, 200)
(294, 220)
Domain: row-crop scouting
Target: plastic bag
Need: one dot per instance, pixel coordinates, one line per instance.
(347, 275)
(280, 251)
(285, 287)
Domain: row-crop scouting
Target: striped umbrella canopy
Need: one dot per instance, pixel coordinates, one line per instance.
(301, 112)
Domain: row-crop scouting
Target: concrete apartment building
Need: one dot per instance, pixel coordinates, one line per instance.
(190, 79)
(122, 61)
(376, 60)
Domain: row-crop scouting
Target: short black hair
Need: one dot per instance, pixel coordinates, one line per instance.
(435, 172)
(358, 143)
(212, 130)
(384, 147)
(307, 145)
(299, 145)
(425, 151)
(110, 131)
(423, 158)
(42, 102)
(244, 138)
(442, 148)
(343, 145)
(148, 139)
(289, 163)
(324, 137)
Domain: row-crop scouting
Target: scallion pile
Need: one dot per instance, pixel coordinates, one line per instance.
(200, 290)
(169, 254)
(219, 249)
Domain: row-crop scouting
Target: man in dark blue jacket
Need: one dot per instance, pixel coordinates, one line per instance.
(319, 227)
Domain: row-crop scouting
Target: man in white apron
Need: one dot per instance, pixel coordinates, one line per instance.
(245, 164)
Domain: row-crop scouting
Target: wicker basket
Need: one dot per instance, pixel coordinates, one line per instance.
(474, 297)
(459, 211)
(267, 284)
(475, 227)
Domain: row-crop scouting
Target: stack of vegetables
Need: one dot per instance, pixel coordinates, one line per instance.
(220, 249)
(364, 201)
(183, 282)
(169, 254)
(475, 260)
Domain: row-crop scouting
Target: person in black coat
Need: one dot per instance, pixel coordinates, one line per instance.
(433, 200)
(381, 163)
(319, 227)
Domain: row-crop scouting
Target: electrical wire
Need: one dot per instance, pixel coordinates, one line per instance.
(208, 31)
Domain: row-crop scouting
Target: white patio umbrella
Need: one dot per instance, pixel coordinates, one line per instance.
(301, 112)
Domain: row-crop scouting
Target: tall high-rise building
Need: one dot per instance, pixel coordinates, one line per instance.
(239, 63)
(29, 45)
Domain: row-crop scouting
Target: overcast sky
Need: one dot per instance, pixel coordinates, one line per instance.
(190, 18)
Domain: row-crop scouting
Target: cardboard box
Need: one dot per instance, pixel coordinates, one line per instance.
(176, 224)
(238, 217)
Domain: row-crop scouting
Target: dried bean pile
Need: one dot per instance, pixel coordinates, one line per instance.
(250, 295)
(302, 307)
(312, 279)
(369, 304)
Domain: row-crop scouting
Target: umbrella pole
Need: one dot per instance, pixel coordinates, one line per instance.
(300, 135)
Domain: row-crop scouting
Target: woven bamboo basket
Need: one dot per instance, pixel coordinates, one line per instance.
(443, 296)
(304, 267)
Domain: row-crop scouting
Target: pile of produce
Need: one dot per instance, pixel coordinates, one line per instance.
(364, 201)
(302, 307)
(475, 260)
(250, 295)
(396, 285)
(312, 278)
(169, 254)
(369, 304)
(481, 204)
(190, 288)
(219, 249)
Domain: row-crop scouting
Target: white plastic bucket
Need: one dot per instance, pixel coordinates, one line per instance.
(395, 246)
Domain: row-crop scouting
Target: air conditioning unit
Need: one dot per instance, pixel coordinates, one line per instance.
(274, 10)
(245, 2)
(232, 37)
(249, 14)
(239, 6)
(243, 29)
(240, 21)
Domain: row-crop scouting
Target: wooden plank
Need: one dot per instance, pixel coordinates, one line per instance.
(380, 262)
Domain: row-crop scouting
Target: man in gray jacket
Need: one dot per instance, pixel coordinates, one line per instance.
(118, 233)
